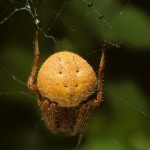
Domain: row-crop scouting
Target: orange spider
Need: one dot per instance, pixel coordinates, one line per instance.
(64, 83)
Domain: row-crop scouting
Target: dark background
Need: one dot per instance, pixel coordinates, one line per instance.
(122, 122)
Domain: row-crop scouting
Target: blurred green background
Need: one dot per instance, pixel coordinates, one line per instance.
(122, 122)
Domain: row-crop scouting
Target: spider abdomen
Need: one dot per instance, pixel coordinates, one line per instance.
(66, 78)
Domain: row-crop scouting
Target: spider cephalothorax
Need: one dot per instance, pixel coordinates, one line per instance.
(64, 84)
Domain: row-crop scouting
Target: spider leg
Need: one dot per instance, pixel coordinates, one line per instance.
(31, 85)
(98, 101)
(84, 114)
(50, 115)
(85, 110)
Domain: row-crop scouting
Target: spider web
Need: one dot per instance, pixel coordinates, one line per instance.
(73, 27)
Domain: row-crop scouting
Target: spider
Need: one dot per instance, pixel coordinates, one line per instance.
(64, 83)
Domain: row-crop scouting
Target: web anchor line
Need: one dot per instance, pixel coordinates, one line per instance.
(129, 104)
(31, 9)
(100, 16)
(16, 80)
